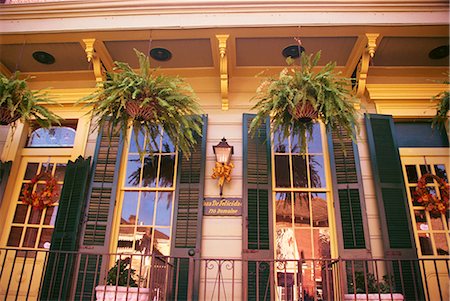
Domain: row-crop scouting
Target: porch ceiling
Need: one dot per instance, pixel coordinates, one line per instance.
(195, 52)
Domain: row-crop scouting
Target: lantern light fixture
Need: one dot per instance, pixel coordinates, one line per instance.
(222, 170)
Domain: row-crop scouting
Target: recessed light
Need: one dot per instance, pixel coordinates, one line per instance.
(44, 57)
(293, 51)
(439, 52)
(160, 54)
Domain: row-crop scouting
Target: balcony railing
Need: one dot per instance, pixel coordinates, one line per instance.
(52, 275)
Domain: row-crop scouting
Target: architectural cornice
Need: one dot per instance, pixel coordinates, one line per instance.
(134, 14)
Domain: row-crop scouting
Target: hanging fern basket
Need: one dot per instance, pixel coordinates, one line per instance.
(138, 111)
(305, 112)
(6, 117)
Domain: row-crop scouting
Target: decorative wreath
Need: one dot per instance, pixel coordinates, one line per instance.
(431, 202)
(41, 198)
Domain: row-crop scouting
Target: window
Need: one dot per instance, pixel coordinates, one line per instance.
(431, 230)
(148, 192)
(301, 206)
(57, 136)
(419, 133)
(32, 228)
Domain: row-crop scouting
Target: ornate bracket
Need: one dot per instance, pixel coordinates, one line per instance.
(365, 62)
(223, 64)
(92, 56)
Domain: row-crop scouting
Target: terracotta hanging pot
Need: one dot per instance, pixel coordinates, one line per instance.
(305, 112)
(6, 117)
(136, 111)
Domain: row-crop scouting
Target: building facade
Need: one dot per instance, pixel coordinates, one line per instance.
(319, 224)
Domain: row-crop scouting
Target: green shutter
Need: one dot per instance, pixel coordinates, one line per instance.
(389, 186)
(188, 214)
(59, 268)
(392, 204)
(95, 237)
(257, 238)
(5, 168)
(348, 191)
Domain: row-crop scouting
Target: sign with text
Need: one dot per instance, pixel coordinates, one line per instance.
(222, 206)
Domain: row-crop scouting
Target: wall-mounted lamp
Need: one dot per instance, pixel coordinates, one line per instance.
(222, 170)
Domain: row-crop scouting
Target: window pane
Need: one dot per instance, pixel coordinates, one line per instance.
(301, 209)
(164, 209)
(31, 171)
(133, 171)
(283, 208)
(14, 236)
(126, 239)
(129, 208)
(317, 172)
(299, 171)
(425, 244)
(60, 171)
(35, 216)
(161, 242)
(21, 213)
(412, 191)
(167, 171)
(436, 222)
(30, 237)
(46, 238)
(421, 220)
(281, 144)
(133, 146)
(424, 169)
(167, 145)
(53, 137)
(286, 244)
(146, 208)
(150, 171)
(441, 172)
(411, 173)
(50, 215)
(282, 171)
(303, 242)
(296, 143)
(315, 141)
(441, 243)
(319, 210)
(321, 239)
(144, 244)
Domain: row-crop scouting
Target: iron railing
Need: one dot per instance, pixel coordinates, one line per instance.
(55, 275)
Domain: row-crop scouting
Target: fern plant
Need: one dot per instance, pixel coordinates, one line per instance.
(148, 103)
(17, 101)
(300, 88)
(442, 107)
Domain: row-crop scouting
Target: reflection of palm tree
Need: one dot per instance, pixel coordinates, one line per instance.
(314, 167)
(150, 171)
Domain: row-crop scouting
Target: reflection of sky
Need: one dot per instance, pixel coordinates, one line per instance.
(146, 209)
(133, 165)
(129, 205)
(315, 145)
(53, 137)
(164, 209)
(317, 175)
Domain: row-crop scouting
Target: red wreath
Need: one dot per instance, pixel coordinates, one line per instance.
(42, 198)
(431, 202)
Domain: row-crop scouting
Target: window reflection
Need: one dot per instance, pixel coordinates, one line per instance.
(316, 171)
(61, 136)
(282, 177)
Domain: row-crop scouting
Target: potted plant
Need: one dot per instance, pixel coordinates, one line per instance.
(148, 103)
(369, 288)
(300, 96)
(17, 101)
(121, 284)
(440, 119)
